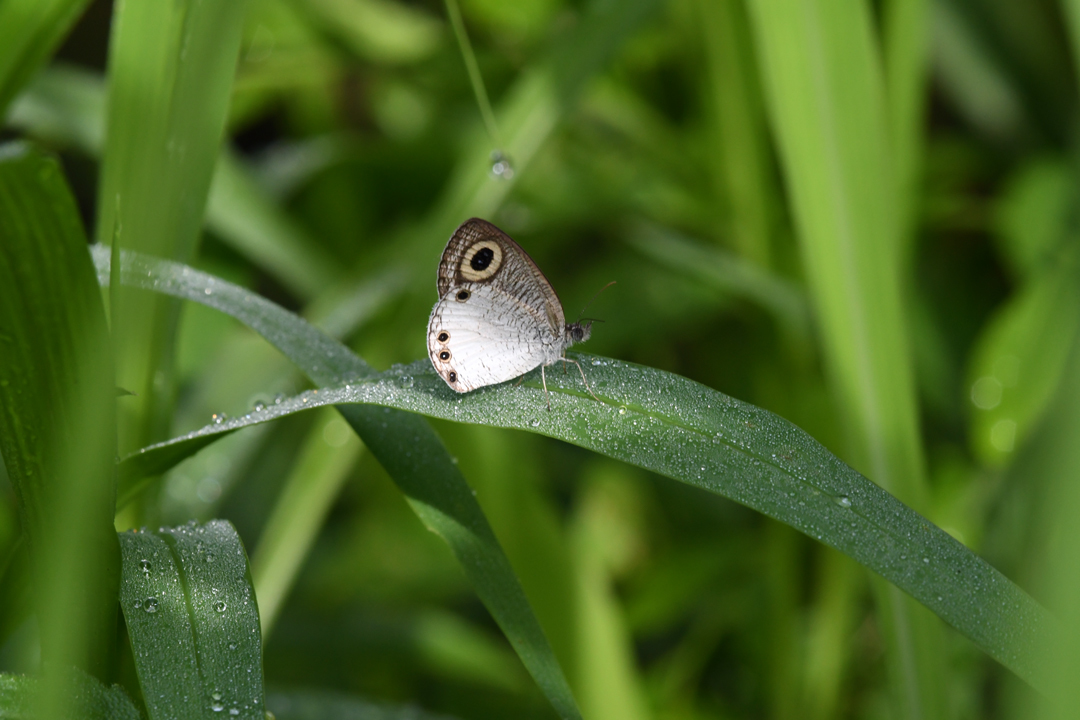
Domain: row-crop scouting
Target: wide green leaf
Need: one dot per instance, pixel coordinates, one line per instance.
(190, 609)
(57, 427)
(404, 444)
(655, 420)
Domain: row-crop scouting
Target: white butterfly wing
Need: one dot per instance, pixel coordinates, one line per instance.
(486, 339)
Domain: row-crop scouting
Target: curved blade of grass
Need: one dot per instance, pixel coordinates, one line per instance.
(405, 445)
(728, 273)
(29, 32)
(190, 609)
(662, 422)
(66, 105)
(243, 214)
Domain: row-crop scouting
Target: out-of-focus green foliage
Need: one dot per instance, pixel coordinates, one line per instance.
(860, 216)
(58, 427)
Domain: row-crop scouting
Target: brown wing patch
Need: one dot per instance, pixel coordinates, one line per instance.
(476, 252)
(479, 252)
(480, 261)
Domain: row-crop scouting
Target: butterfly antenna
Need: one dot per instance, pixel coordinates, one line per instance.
(594, 300)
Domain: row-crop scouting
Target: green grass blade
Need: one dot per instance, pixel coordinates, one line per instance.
(171, 68)
(329, 453)
(740, 159)
(655, 420)
(29, 32)
(93, 700)
(194, 626)
(906, 31)
(1051, 462)
(240, 212)
(405, 445)
(531, 110)
(730, 274)
(1018, 361)
(1071, 9)
(828, 107)
(336, 706)
(66, 105)
(57, 427)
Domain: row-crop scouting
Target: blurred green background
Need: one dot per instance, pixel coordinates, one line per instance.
(658, 144)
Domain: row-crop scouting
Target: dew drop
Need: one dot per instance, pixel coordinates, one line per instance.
(145, 566)
(407, 381)
(150, 604)
(220, 606)
(218, 418)
(622, 409)
(843, 501)
(500, 166)
(259, 406)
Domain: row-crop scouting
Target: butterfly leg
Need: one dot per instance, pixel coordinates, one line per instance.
(543, 379)
(568, 360)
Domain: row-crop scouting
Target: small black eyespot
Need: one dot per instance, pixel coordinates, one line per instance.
(444, 355)
(463, 295)
(482, 258)
(453, 376)
(443, 337)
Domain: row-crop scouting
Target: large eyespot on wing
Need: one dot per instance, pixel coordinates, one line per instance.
(475, 252)
(481, 261)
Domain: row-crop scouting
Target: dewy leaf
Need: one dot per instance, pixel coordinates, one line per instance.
(404, 444)
(92, 701)
(190, 609)
(677, 428)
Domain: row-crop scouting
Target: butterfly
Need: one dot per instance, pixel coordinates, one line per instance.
(497, 316)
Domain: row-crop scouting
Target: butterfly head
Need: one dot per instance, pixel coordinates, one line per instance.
(578, 332)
